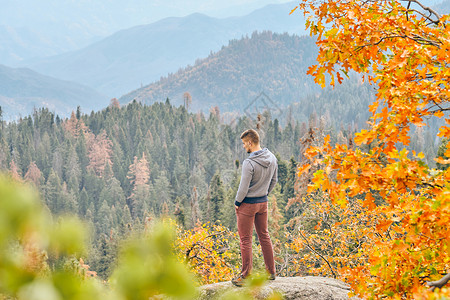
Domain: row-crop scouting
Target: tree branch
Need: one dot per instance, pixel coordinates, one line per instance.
(438, 284)
(424, 41)
(381, 39)
(321, 256)
(432, 11)
(199, 241)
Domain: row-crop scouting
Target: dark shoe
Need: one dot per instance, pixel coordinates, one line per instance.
(238, 281)
(271, 277)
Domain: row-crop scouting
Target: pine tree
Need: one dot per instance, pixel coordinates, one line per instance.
(72, 170)
(165, 211)
(3, 156)
(112, 193)
(67, 201)
(140, 202)
(139, 175)
(99, 153)
(71, 125)
(275, 218)
(107, 173)
(187, 99)
(206, 203)
(217, 198)
(228, 210)
(33, 174)
(106, 257)
(75, 125)
(179, 212)
(52, 193)
(104, 218)
(82, 152)
(83, 202)
(15, 171)
(139, 172)
(58, 161)
(114, 103)
(126, 217)
(289, 190)
(282, 172)
(195, 212)
(93, 185)
(161, 192)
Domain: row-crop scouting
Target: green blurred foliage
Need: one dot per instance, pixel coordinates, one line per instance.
(27, 234)
(69, 236)
(20, 212)
(22, 221)
(148, 267)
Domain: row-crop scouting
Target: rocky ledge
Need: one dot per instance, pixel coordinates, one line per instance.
(307, 288)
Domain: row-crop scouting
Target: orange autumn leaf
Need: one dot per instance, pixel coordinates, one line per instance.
(303, 169)
(294, 9)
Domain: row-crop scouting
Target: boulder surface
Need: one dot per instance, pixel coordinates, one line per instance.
(307, 288)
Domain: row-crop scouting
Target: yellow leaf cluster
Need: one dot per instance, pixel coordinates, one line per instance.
(207, 251)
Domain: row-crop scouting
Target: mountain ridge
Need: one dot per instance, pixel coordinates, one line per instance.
(22, 89)
(142, 54)
(269, 63)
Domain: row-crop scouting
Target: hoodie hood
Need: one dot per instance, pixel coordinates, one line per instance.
(262, 157)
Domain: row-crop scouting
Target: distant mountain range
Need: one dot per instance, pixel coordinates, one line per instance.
(141, 55)
(269, 64)
(21, 90)
(30, 28)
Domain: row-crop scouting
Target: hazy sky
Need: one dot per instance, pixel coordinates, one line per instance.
(108, 16)
(29, 12)
(214, 5)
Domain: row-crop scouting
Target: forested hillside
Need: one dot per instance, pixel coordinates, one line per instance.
(275, 64)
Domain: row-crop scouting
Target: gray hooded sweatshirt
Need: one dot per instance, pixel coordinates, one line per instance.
(259, 176)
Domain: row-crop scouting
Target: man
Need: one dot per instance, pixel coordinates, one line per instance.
(259, 176)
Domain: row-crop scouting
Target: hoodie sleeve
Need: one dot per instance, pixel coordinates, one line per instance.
(247, 174)
(274, 179)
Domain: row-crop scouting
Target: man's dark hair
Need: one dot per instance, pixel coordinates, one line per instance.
(252, 135)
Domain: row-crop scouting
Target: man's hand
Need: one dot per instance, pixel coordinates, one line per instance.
(236, 206)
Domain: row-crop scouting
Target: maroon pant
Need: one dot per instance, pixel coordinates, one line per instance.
(247, 215)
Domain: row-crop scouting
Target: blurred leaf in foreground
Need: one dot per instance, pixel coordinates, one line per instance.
(148, 267)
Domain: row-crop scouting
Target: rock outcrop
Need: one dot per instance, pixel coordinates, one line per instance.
(305, 288)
